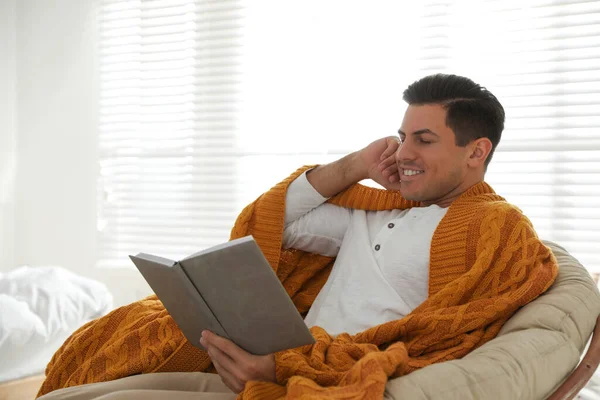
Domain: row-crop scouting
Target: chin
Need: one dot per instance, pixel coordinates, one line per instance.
(409, 191)
(410, 196)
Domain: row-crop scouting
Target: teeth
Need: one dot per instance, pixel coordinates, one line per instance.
(411, 172)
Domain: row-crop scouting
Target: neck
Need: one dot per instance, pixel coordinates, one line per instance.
(454, 194)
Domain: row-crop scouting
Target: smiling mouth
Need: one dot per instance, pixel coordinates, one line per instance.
(411, 172)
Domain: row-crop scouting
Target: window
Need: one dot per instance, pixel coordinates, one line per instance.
(206, 104)
(542, 60)
(169, 84)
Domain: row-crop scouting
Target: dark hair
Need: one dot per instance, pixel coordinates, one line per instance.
(472, 111)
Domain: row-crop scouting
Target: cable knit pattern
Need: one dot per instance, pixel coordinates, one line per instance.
(486, 261)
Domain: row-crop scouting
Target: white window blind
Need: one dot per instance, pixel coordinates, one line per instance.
(169, 83)
(204, 105)
(542, 60)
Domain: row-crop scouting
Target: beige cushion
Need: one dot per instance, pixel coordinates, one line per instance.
(533, 354)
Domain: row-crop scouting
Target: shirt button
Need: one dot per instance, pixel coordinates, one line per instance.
(391, 225)
(377, 247)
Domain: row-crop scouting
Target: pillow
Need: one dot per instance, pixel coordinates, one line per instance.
(39, 308)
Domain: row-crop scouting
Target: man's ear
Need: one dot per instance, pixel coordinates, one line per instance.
(480, 150)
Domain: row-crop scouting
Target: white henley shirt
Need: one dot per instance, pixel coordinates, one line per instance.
(382, 267)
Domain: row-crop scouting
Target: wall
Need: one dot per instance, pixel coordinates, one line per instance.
(8, 132)
(55, 113)
(57, 118)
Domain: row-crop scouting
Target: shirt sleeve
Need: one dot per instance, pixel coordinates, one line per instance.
(311, 224)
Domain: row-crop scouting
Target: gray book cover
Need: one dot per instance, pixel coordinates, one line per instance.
(231, 290)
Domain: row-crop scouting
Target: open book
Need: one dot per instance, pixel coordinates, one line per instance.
(231, 290)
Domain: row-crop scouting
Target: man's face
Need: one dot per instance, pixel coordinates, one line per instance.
(433, 169)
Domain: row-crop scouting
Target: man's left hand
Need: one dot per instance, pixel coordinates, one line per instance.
(236, 366)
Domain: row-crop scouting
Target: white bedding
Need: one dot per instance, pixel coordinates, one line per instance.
(39, 308)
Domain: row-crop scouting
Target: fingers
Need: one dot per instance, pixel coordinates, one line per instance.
(388, 166)
(388, 163)
(389, 169)
(228, 359)
(226, 346)
(225, 366)
(224, 360)
(392, 146)
(228, 378)
(235, 365)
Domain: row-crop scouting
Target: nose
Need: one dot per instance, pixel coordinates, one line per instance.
(404, 153)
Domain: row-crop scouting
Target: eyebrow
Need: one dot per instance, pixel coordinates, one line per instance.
(419, 132)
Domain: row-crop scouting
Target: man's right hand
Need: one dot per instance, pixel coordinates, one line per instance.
(379, 161)
(376, 161)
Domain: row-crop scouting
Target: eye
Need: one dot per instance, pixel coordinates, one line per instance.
(424, 141)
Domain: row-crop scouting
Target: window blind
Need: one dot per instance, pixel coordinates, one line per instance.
(542, 60)
(169, 78)
(204, 105)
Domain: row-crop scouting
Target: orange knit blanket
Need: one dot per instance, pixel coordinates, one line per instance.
(486, 261)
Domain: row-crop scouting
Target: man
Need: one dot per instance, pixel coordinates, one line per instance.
(447, 138)
(405, 277)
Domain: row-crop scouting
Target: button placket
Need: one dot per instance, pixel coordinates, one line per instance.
(384, 235)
